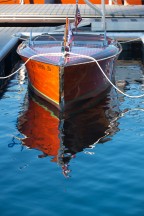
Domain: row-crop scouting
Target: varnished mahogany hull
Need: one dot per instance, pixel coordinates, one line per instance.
(68, 85)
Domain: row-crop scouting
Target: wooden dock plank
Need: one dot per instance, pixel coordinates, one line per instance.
(56, 12)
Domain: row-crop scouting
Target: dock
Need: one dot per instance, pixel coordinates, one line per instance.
(123, 23)
(56, 13)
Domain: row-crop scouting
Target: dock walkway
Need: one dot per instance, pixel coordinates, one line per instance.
(56, 13)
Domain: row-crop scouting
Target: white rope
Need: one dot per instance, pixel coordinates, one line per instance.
(93, 59)
(6, 77)
(32, 57)
(79, 56)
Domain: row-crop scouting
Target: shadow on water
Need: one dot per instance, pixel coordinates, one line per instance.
(45, 129)
(4, 83)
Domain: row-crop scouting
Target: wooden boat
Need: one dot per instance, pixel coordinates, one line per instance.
(67, 69)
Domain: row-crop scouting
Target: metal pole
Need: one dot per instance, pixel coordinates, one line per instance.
(76, 15)
(104, 20)
(22, 2)
(110, 2)
(94, 7)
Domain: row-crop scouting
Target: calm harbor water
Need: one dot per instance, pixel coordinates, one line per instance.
(90, 164)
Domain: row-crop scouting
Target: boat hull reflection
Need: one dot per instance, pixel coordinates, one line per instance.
(63, 136)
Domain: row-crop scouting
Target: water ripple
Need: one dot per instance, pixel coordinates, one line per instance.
(102, 153)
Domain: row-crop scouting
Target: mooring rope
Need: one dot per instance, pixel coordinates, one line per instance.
(30, 58)
(78, 56)
(89, 57)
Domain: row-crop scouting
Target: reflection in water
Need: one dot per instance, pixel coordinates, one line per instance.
(46, 130)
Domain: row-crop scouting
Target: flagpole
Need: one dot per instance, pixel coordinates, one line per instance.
(76, 15)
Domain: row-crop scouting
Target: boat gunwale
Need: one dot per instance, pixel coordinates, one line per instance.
(79, 60)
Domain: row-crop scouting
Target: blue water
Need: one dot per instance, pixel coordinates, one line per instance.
(103, 154)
